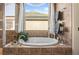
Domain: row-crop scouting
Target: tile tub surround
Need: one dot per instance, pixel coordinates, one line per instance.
(37, 33)
(10, 35)
(41, 50)
(38, 51)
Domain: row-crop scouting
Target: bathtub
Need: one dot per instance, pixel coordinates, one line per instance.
(39, 41)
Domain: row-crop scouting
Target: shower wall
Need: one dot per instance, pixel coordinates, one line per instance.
(66, 9)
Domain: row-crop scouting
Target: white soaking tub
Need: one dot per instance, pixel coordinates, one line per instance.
(39, 41)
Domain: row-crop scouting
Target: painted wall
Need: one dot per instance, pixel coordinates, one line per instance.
(75, 32)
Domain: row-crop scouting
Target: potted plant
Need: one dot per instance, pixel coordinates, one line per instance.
(23, 36)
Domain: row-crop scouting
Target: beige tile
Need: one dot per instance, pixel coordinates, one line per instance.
(46, 51)
(23, 51)
(68, 51)
(10, 51)
(58, 51)
(38, 33)
(35, 51)
(1, 51)
(0, 43)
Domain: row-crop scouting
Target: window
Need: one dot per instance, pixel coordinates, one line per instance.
(10, 16)
(36, 16)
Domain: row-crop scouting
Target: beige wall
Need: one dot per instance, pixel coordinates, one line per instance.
(66, 8)
(75, 32)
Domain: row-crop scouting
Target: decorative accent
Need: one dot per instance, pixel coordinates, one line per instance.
(60, 16)
(23, 36)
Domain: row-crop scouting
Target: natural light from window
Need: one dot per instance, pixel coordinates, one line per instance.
(10, 16)
(36, 16)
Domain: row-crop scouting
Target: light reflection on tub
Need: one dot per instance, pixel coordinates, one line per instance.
(34, 41)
